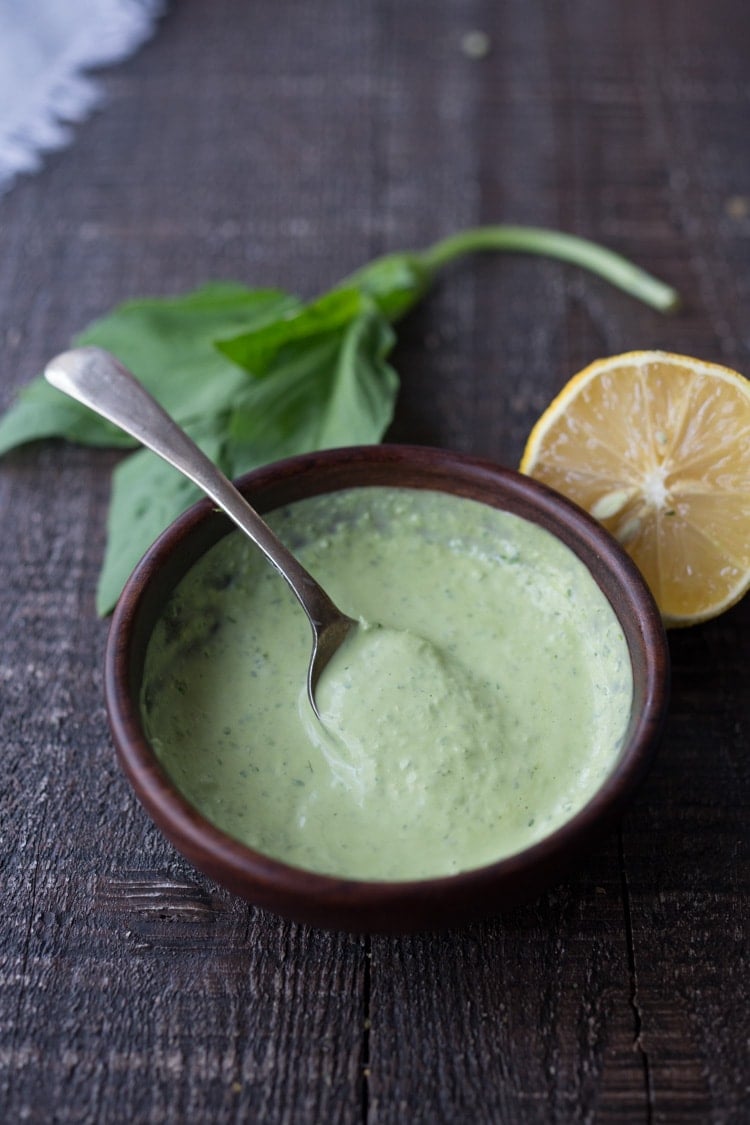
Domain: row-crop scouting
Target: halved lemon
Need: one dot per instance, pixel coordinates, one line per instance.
(657, 447)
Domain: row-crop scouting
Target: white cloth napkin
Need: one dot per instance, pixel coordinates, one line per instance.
(45, 46)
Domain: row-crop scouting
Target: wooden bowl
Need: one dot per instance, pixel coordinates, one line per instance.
(382, 906)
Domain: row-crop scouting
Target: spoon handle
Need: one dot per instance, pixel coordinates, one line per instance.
(98, 380)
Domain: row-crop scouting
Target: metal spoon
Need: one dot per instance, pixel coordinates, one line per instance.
(101, 382)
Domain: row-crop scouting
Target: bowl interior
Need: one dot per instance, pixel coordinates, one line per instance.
(353, 904)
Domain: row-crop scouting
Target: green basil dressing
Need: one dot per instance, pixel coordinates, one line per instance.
(481, 712)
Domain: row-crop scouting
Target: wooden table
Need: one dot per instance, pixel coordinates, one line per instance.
(287, 143)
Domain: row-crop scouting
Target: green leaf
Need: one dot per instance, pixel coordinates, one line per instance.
(392, 283)
(336, 389)
(169, 344)
(42, 412)
(255, 350)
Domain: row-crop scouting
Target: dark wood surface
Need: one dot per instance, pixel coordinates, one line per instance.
(286, 143)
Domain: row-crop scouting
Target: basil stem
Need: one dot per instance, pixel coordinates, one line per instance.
(566, 247)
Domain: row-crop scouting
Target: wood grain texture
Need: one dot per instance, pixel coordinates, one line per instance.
(286, 144)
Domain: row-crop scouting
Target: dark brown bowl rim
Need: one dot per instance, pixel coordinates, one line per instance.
(384, 906)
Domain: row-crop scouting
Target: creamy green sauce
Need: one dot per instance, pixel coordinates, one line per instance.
(481, 712)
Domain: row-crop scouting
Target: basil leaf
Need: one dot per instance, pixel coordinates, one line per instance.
(42, 412)
(169, 343)
(255, 350)
(392, 284)
(334, 389)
